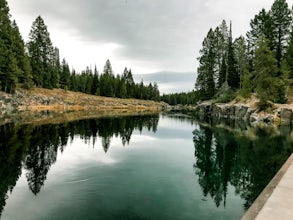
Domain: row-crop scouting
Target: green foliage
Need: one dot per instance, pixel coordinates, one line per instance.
(14, 65)
(183, 98)
(261, 25)
(219, 64)
(288, 59)
(266, 72)
(205, 80)
(225, 95)
(233, 78)
(41, 53)
(241, 59)
(246, 66)
(123, 91)
(42, 67)
(27, 78)
(246, 87)
(221, 37)
(281, 26)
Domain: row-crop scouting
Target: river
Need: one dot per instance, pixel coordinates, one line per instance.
(167, 166)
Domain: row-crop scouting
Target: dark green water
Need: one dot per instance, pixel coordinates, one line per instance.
(142, 167)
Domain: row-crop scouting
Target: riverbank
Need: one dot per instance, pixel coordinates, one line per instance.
(246, 110)
(39, 99)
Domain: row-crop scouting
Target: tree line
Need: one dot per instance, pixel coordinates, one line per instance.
(37, 63)
(183, 98)
(261, 63)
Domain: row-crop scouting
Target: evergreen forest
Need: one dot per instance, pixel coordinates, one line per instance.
(260, 62)
(37, 63)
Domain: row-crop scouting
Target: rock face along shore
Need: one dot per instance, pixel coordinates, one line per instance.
(39, 99)
(280, 114)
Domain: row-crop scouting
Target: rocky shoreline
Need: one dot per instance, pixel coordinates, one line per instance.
(280, 115)
(37, 100)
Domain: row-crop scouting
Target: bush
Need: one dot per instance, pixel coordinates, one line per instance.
(264, 105)
(225, 95)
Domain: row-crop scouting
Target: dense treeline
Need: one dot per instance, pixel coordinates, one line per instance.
(37, 63)
(262, 62)
(183, 98)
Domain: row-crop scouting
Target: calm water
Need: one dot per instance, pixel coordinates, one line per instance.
(142, 167)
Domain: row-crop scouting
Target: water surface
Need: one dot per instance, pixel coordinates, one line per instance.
(141, 167)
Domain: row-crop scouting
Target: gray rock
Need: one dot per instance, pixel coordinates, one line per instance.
(241, 111)
(286, 116)
(254, 118)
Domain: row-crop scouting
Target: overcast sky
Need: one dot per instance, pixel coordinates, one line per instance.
(145, 35)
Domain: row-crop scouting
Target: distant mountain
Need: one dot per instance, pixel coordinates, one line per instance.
(169, 82)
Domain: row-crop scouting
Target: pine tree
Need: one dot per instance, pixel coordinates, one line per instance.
(223, 71)
(27, 78)
(260, 26)
(156, 92)
(233, 78)
(281, 25)
(107, 81)
(13, 64)
(241, 58)
(74, 83)
(56, 69)
(41, 52)
(221, 43)
(89, 80)
(17, 47)
(205, 79)
(96, 80)
(288, 61)
(130, 85)
(123, 91)
(4, 41)
(265, 71)
(65, 75)
(13, 72)
(108, 68)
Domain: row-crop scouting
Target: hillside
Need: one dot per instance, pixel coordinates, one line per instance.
(39, 99)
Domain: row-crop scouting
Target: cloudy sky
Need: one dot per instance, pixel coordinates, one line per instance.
(147, 36)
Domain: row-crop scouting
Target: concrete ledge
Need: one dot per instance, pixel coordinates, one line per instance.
(276, 200)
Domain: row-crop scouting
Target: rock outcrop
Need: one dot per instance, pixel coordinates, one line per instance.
(281, 115)
(286, 116)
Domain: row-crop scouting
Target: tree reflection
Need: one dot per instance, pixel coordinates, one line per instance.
(36, 147)
(12, 148)
(226, 157)
(41, 154)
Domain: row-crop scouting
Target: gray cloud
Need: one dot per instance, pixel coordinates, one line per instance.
(169, 82)
(159, 32)
(164, 34)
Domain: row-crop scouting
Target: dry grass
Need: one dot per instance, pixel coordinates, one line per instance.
(61, 100)
(251, 101)
(40, 118)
